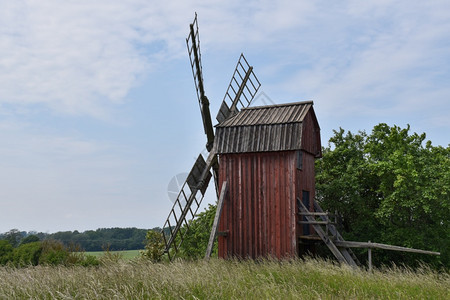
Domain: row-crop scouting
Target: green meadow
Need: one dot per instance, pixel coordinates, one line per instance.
(126, 254)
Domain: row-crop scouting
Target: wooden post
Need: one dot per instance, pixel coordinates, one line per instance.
(370, 258)
(215, 226)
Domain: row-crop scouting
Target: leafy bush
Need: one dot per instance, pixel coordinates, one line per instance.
(53, 253)
(154, 249)
(27, 254)
(56, 253)
(48, 252)
(89, 260)
(6, 252)
(197, 237)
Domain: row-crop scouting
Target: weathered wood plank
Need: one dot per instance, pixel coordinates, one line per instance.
(313, 213)
(213, 234)
(337, 253)
(351, 244)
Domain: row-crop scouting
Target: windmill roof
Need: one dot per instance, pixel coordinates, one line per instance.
(269, 114)
(263, 128)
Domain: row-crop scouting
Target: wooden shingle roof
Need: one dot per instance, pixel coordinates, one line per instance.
(263, 128)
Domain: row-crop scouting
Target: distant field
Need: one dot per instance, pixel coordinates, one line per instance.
(126, 254)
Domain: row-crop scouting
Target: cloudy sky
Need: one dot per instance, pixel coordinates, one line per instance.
(98, 110)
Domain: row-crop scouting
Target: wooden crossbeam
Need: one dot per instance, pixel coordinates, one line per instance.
(313, 213)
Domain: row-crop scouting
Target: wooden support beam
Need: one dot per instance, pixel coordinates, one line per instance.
(311, 237)
(315, 222)
(351, 244)
(313, 213)
(215, 226)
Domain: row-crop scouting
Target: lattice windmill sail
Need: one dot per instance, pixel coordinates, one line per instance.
(242, 89)
(193, 45)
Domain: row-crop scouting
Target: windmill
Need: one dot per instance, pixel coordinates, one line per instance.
(240, 92)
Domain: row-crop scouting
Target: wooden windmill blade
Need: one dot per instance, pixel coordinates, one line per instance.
(193, 46)
(240, 93)
(187, 203)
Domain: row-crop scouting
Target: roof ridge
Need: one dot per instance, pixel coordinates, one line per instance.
(279, 105)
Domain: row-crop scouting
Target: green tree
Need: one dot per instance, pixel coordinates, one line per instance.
(6, 252)
(13, 236)
(29, 239)
(27, 254)
(390, 187)
(196, 238)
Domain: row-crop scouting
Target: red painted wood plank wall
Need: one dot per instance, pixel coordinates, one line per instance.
(259, 213)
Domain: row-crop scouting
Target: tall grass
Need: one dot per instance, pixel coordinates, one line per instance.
(219, 279)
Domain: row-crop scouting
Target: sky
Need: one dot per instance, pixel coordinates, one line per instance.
(98, 111)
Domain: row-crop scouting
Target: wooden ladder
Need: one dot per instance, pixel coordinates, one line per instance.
(342, 254)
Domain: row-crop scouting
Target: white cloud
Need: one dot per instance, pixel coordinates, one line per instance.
(72, 55)
(391, 57)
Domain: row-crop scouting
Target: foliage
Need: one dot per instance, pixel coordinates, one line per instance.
(154, 248)
(48, 252)
(196, 238)
(221, 279)
(6, 252)
(389, 188)
(89, 261)
(30, 239)
(27, 254)
(96, 240)
(13, 236)
(90, 240)
(53, 253)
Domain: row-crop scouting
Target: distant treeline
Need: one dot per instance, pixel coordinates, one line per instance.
(90, 240)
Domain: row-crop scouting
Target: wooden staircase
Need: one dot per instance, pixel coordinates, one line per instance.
(326, 231)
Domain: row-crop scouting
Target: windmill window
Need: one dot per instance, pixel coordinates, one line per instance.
(299, 159)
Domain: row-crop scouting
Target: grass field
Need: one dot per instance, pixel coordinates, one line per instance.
(219, 279)
(126, 254)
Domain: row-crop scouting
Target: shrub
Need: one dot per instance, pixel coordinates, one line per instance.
(6, 252)
(53, 253)
(89, 260)
(110, 256)
(196, 237)
(27, 254)
(154, 248)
